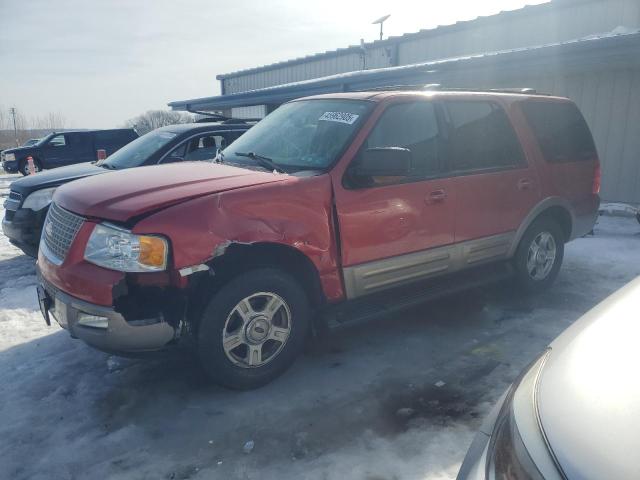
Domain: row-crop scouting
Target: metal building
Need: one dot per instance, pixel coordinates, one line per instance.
(588, 50)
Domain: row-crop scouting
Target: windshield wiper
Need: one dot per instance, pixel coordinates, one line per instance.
(265, 162)
(107, 166)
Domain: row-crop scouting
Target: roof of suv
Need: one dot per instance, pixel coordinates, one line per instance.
(205, 127)
(380, 95)
(90, 130)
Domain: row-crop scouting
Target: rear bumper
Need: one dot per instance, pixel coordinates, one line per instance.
(585, 216)
(23, 228)
(583, 224)
(120, 336)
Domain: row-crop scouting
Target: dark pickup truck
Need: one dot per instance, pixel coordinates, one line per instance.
(66, 148)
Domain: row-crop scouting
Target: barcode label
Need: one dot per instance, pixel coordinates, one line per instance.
(341, 117)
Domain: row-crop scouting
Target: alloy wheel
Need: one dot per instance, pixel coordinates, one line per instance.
(541, 256)
(256, 330)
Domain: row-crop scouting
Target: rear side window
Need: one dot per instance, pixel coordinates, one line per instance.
(114, 137)
(481, 137)
(412, 126)
(79, 140)
(561, 131)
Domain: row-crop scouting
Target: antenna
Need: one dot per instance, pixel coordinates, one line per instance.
(381, 21)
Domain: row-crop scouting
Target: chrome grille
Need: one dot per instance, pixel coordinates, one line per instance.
(12, 203)
(15, 196)
(60, 228)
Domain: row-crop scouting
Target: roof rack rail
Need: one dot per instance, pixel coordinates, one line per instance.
(420, 86)
(226, 120)
(439, 87)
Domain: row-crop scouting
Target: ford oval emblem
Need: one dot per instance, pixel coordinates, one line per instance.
(48, 228)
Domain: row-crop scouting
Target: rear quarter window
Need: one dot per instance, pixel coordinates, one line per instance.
(114, 137)
(560, 130)
(481, 137)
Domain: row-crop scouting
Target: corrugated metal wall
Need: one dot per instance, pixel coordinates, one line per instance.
(609, 99)
(294, 73)
(558, 21)
(255, 111)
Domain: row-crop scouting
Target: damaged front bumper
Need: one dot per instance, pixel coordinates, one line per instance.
(103, 327)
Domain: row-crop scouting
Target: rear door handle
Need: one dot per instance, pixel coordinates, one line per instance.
(436, 196)
(524, 184)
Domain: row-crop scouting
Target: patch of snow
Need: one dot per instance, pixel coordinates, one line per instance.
(334, 415)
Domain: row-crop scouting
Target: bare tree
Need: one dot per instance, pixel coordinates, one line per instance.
(4, 118)
(35, 127)
(157, 118)
(49, 121)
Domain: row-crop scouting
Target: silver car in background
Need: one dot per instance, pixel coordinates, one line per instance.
(574, 413)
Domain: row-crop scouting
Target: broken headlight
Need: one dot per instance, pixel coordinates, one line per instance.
(116, 248)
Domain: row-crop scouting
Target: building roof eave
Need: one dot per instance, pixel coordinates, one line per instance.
(591, 50)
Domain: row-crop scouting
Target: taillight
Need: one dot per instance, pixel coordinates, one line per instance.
(597, 179)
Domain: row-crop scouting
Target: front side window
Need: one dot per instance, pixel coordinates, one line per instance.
(203, 148)
(57, 141)
(412, 126)
(561, 131)
(481, 137)
(307, 134)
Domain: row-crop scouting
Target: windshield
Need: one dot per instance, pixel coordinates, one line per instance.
(137, 152)
(44, 139)
(308, 134)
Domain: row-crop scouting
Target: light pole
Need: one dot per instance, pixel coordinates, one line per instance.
(381, 21)
(12, 111)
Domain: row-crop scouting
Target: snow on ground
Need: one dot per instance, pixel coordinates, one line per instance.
(365, 405)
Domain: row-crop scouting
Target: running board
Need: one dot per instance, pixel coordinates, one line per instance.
(381, 304)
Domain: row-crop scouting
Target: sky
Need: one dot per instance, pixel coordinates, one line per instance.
(101, 62)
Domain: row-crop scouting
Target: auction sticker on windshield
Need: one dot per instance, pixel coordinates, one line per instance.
(341, 117)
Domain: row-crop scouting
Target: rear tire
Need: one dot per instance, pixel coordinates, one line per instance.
(253, 329)
(539, 255)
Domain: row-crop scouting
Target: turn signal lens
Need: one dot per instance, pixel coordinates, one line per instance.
(114, 247)
(597, 179)
(153, 251)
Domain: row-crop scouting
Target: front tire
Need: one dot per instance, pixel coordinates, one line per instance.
(253, 329)
(24, 167)
(539, 255)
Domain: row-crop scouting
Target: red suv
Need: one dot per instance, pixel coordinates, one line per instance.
(333, 208)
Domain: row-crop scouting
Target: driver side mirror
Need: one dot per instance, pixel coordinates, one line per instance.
(384, 162)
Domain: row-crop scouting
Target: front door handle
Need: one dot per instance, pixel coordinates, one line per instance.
(436, 196)
(524, 184)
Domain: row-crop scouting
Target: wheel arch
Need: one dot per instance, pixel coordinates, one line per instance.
(556, 208)
(237, 258)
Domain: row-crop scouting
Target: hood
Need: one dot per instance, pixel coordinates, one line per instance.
(55, 177)
(20, 151)
(589, 391)
(125, 194)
